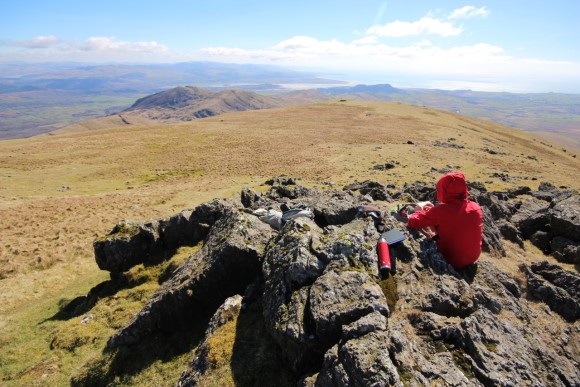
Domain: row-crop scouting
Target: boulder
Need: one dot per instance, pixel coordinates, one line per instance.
(362, 362)
(127, 245)
(499, 209)
(491, 241)
(332, 207)
(532, 216)
(132, 243)
(565, 218)
(510, 232)
(375, 190)
(230, 259)
(341, 298)
(565, 250)
(558, 288)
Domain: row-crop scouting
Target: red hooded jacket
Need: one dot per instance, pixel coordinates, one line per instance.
(457, 221)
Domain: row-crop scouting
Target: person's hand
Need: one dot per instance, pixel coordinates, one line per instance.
(428, 232)
(423, 206)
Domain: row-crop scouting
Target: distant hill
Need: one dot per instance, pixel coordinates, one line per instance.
(40, 98)
(188, 103)
(372, 89)
(147, 78)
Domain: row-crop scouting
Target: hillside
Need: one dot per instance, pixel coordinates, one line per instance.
(41, 98)
(188, 103)
(553, 116)
(59, 192)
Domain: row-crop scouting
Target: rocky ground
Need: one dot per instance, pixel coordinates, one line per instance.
(331, 318)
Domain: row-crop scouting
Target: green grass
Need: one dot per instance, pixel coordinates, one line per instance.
(25, 341)
(46, 342)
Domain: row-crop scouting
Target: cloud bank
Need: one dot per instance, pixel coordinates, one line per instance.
(378, 51)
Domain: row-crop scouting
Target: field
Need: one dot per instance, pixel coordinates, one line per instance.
(26, 114)
(58, 192)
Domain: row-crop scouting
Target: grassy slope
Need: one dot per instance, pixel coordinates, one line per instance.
(550, 116)
(57, 193)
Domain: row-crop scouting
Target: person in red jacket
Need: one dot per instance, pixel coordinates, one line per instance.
(457, 223)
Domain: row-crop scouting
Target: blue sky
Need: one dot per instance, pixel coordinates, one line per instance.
(500, 45)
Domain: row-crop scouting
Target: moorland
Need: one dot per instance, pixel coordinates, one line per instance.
(41, 98)
(60, 191)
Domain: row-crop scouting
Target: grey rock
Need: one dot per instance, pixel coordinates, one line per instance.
(491, 241)
(230, 259)
(510, 232)
(499, 209)
(374, 321)
(359, 362)
(289, 268)
(341, 298)
(127, 245)
(558, 288)
(424, 363)
(334, 207)
(565, 218)
(532, 216)
(315, 283)
(132, 243)
(565, 250)
(253, 200)
(375, 190)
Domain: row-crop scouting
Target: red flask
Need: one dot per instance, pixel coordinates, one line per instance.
(384, 256)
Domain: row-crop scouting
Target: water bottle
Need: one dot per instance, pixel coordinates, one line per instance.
(384, 257)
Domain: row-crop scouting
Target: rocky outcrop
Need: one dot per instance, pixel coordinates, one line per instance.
(132, 243)
(551, 221)
(558, 288)
(229, 260)
(315, 286)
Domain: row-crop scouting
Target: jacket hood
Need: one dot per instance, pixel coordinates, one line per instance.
(451, 187)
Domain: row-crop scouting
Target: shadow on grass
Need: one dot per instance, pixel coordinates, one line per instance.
(121, 363)
(82, 304)
(256, 358)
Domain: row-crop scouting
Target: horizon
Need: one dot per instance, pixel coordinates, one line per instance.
(327, 79)
(477, 45)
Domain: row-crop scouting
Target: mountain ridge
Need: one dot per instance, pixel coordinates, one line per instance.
(40, 98)
(185, 103)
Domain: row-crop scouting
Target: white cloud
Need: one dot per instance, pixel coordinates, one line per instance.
(111, 44)
(239, 55)
(468, 12)
(480, 65)
(304, 50)
(38, 42)
(310, 46)
(425, 25)
(367, 40)
(474, 64)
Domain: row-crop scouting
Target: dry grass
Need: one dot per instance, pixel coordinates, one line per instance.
(58, 192)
